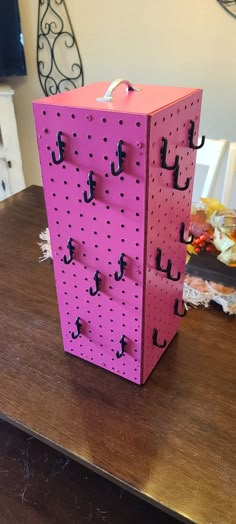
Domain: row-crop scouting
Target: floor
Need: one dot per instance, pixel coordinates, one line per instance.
(39, 485)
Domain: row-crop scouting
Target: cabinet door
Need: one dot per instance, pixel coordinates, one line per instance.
(5, 189)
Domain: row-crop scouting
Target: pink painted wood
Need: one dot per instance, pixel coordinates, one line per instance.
(167, 208)
(132, 213)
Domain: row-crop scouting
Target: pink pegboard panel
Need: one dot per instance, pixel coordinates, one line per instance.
(110, 206)
(168, 211)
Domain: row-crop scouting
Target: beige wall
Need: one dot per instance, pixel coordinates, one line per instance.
(155, 41)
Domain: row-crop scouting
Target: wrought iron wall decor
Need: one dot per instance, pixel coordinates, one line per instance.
(229, 6)
(58, 58)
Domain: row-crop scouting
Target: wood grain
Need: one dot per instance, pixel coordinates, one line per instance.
(171, 441)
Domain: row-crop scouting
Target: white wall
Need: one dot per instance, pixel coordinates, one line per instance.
(156, 41)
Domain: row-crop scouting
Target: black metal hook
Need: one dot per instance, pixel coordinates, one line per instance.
(163, 156)
(191, 135)
(92, 184)
(78, 326)
(61, 147)
(120, 353)
(176, 306)
(182, 231)
(154, 340)
(121, 154)
(123, 265)
(168, 272)
(158, 261)
(97, 283)
(71, 252)
(176, 185)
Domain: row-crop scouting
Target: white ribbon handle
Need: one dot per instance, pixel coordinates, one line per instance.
(108, 95)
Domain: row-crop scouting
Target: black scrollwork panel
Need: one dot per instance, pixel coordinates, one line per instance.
(58, 58)
(229, 6)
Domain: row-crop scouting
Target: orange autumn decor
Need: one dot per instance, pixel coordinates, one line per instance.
(214, 231)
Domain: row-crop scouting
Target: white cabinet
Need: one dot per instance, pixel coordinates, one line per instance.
(11, 173)
(5, 189)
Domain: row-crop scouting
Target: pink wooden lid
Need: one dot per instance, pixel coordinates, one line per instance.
(146, 100)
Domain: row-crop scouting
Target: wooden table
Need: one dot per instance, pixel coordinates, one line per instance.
(171, 442)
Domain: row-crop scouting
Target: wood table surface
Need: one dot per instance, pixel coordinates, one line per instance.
(171, 442)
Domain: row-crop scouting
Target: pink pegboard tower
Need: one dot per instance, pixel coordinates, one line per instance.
(118, 177)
